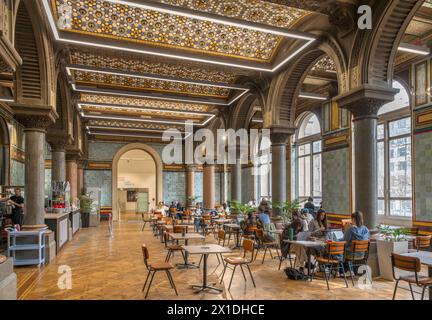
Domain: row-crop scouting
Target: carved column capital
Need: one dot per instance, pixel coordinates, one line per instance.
(279, 135)
(37, 118)
(58, 142)
(191, 167)
(365, 101)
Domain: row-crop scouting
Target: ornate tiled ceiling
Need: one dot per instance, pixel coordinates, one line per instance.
(131, 125)
(325, 64)
(124, 22)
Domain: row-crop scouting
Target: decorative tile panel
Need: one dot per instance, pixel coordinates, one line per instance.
(423, 176)
(100, 179)
(174, 187)
(17, 177)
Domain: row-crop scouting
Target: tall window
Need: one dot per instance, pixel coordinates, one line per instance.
(394, 157)
(262, 169)
(307, 149)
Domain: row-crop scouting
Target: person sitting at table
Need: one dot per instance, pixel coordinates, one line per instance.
(309, 205)
(198, 214)
(226, 208)
(319, 225)
(357, 231)
(163, 209)
(297, 223)
(307, 217)
(249, 222)
(264, 218)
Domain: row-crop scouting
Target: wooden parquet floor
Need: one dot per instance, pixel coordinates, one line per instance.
(106, 268)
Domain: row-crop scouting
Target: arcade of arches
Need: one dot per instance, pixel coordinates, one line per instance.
(88, 88)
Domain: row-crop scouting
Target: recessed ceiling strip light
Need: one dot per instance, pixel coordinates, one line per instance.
(130, 135)
(411, 48)
(313, 96)
(309, 38)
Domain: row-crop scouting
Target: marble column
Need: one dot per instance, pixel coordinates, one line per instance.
(364, 104)
(58, 165)
(72, 177)
(236, 179)
(209, 187)
(190, 185)
(35, 131)
(80, 180)
(279, 138)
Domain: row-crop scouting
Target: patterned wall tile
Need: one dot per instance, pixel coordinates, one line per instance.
(101, 179)
(48, 182)
(423, 176)
(17, 173)
(247, 185)
(198, 186)
(336, 180)
(174, 187)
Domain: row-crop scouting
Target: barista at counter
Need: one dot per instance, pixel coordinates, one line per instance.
(17, 201)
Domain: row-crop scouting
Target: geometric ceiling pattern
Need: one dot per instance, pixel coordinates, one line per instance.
(107, 19)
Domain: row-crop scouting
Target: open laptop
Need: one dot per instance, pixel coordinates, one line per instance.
(335, 235)
(303, 236)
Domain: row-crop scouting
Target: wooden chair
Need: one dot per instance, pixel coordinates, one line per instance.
(250, 232)
(410, 264)
(153, 268)
(172, 248)
(248, 246)
(221, 237)
(146, 218)
(266, 245)
(421, 242)
(180, 229)
(359, 256)
(207, 224)
(413, 231)
(332, 261)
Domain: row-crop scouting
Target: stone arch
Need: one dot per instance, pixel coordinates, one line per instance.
(373, 52)
(34, 78)
(240, 113)
(159, 168)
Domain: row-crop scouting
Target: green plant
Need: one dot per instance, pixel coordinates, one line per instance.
(286, 208)
(86, 204)
(392, 234)
(240, 208)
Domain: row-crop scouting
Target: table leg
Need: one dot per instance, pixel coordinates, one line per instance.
(186, 264)
(205, 285)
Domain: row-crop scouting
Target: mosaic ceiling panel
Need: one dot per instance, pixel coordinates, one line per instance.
(140, 102)
(127, 82)
(428, 3)
(249, 10)
(325, 64)
(141, 113)
(121, 22)
(143, 66)
(131, 125)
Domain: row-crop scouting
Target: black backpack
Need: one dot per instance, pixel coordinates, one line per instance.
(294, 274)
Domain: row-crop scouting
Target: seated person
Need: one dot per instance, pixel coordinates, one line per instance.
(319, 225)
(198, 214)
(249, 222)
(297, 223)
(264, 217)
(226, 209)
(307, 217)
(309, 205)
(358, 231)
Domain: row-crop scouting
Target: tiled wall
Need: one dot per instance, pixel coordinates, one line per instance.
(198, 186)
(174, 187)
(423, 176)
(101, 179)
(247, 184)
(47, 182)
(336, 181)
(17, 173)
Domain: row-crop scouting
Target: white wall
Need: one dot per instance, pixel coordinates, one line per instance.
(136, 169)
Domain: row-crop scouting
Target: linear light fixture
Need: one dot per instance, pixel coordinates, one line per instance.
(123, 107)
(153, 77)
(313, 96)
(7, 99)
(258, 120)
(309, 38)
(136, 95)
(411, 48)
(187, 134)
(132, 135)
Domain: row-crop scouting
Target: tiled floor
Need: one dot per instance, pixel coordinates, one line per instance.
(112, 268)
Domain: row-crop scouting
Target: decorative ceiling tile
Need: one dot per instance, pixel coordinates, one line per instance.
(131, 125)
(137, 83)
(325, 64)
(110, 20)
(140, 102)
(142, 65)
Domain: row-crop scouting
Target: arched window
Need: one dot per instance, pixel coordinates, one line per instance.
(306, 153)
(394, 156)
(262, 167)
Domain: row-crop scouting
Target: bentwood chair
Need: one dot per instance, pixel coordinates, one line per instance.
(221, 237)
(172, 248)
(421, 242)
(248, 247)
(412, 265)
(359, 256)
(153, 268)
(332, 261)
(266, 245)
(146, 218)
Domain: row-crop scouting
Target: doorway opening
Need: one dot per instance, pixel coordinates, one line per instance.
(136, 184)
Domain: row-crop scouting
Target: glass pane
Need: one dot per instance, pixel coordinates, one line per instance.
(304, 176)
(402, 208)
(381, 172)
(381, 207)
(400, 168)
(309, 126)
(316, 146)
(401, 100)
(400, 127)
(264, 182)
(317, 175)
(380, 132)
(304, 149)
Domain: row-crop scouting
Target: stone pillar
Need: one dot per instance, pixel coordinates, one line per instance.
(80, 179)
(58, 165)
(209, 187)
(279, 138)
(364, 104)
(35, 131)
(190, 184)
(72, 177)
(236, 178)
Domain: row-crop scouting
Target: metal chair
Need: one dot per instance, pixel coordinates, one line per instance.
(359, 256)
(410, 264)
(248, 246)
(154, 268)
(146, 218)
(172, 248)
(421, 242)
(266, 245)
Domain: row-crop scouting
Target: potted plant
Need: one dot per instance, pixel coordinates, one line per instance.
(390, 240)
(286, 209)
(86, 208)
(239, 208)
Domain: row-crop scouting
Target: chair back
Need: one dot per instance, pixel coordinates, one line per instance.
(221, 234)
(252, 229)
(174, 210)
(179, 229)
(259, 234)
(336, 248)
(166, 237)
(360, 246)
(248, 246)
(411, 264)
(413, 231)
(145, 255)
(167, 220)
(423, 242)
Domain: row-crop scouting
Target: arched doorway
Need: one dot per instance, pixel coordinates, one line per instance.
(137, 172)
